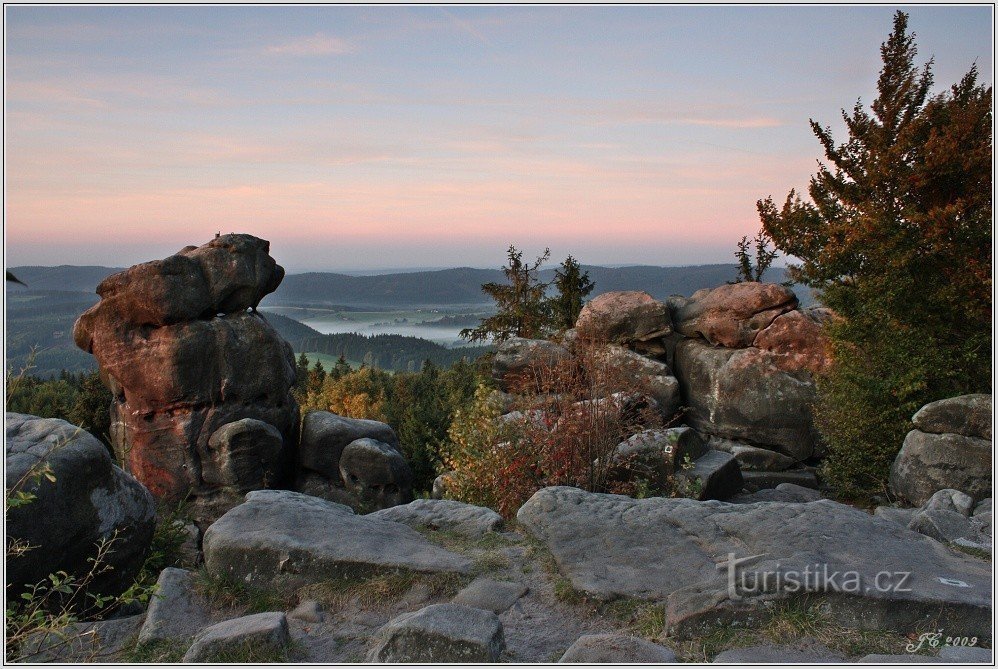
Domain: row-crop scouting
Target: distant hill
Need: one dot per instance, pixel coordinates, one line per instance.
(83, 278)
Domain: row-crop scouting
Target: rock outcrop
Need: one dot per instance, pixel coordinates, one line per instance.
(184, 357)
(88, 500)
(949, 449)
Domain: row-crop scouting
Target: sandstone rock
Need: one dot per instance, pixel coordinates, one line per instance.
(753, 458)
(617, 649)
(744, 395)
(668, 550)
(279, 537)
(797, 338)
(266, 632)
(968, 415)
(646, 375)
(879, 658)
(178, 373)
(931, 462)
(518, 361)
(324, 435)
(941, 525)
(950, 500)
(625, 317)
(733, 315)
(773, 654)
(244, 455)
(801, 477)
(376, 474)
(784, 492)
(902, 517)
(90, 501)
(176, 612)
(466, 519)
(441, 633)
(101, 641)
(490, 595)
(714, 475)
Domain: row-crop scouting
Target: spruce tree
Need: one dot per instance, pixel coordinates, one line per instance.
(521, 307)
(573, 286)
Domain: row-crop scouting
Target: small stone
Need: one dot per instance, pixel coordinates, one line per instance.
(902, 517)
(175, 612)
(261, 632)
(616, 648)
(490, 595)
(308, 610)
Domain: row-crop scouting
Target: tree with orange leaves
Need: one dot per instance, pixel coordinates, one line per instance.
(897, 239)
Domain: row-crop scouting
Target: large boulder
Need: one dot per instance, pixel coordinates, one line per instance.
(324, 435)
(86, 501)
(440, 633)
(747, 395)
(714, 563)
(931, 462)
(636, 372)
(656, 454)
(279, 537)
(625, 317)
(375, 474)
(521, 361)
(733, 315)
(244, 455)
(797, 337)
(969, 415)
(183, 358)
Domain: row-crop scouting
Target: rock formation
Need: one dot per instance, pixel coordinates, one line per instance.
(185, 354)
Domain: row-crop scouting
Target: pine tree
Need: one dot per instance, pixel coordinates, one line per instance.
(521, 307)
(897, 239)
(573, 287)
(749, 270)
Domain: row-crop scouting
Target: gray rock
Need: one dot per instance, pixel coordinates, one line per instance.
(931, 462)
(616, 649)
(773, 654)
(625, 317)
(434, 514)
(950, 500)
(279, 537)
(748, 395)
(668, 550)
(652, 376)
(971, 654)
(655, 454)
(785, 492)
(491, 595)
(802, 478)
(309, 611)
(984, 506)
(89, 501)
(376, 474)
(967, 415)
(518, 360)
(175, 611)
(440, 633)
(753, 458)
(324, 435)
(902, 517)
(440, 486)
(876, 658)
(267, 632)
(244, 455)
(714, 475)
(100, 641)
(942, 525)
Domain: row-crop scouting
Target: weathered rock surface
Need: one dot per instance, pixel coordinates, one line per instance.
(655, 454)
(617, 649)
(90, 501)
(733, 315)
(772, 654)
(647, 375)
(969, 415)
(668, 550)
(950, 500)
(263, 632)
(308, 610)
(490, 595)
(784, 492)
(931, 462)
(966, 654)
(745, 395)
(756, 480)
(714, 475)
(279, 537)
(376, 474)
(441, 633)
(244, 455)
(518, 361)
(80, 642)
(176, 612)
(753, 458)
(797, 339)
(437, 514)
(183, 358)
(324, 435)
(625, 317)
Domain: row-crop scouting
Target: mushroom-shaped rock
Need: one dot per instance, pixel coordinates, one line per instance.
(732, 315)
(376, 474)
(625, 317)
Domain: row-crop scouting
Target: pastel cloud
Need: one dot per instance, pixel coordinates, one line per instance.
(315, 45)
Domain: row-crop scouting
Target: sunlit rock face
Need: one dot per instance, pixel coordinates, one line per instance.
(184, 352)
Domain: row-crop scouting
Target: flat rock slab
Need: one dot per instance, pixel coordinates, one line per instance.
(785, 492)
(770, 654)
(440, 633)
(279, 537)
(966, 654)
(261, 632)
(490, 595)
(616, 648)
(877, 658)
(175, 611)
(82, 642)
(439, 514)
(680, 552)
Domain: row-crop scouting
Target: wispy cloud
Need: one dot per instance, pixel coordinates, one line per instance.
(464, 26)
(315, 45)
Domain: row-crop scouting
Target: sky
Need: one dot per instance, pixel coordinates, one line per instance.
(386, 137)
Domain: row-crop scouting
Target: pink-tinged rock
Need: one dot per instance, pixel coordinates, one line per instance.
(733, 315)
(797, 338)
(625, 317)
